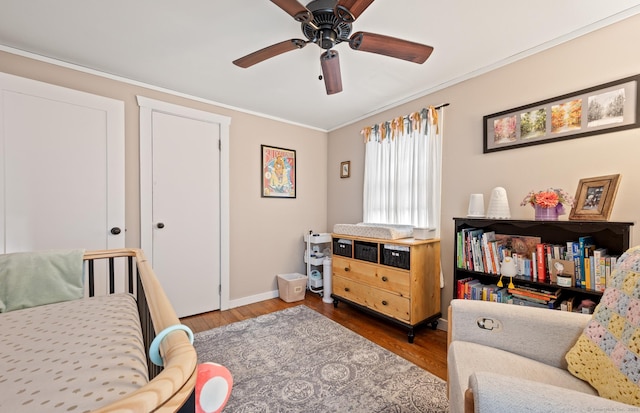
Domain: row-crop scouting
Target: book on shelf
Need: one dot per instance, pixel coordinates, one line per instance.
(610, 264)
(540, 293)
(468, 287)
(599, 263)
(461, 286)
(483, 251)
(470, 256)
(552, 304)
(541, 266)
(474, 289)
(585, 243)
(569, 251)
(587, 277)
(488, 239)
(577, 265)
(568, 304)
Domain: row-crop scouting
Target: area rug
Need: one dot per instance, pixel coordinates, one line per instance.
(297, 360)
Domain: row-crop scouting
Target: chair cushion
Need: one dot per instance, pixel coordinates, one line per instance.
(465, 358)
(607, 353)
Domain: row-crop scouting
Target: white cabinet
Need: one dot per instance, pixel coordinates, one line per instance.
(318, 248)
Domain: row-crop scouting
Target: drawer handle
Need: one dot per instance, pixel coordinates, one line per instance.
(346, 269)
(385, 279)
(384, 302)
(347, 289)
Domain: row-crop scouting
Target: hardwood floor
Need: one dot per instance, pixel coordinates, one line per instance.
(429, 349)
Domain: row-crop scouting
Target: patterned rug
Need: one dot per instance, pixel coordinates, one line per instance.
(297, 360)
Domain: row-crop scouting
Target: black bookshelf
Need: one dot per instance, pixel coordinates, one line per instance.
(615, 236)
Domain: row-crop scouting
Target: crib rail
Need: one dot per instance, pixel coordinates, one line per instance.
(169, 387)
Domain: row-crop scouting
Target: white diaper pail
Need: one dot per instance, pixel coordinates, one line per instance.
(326, 280)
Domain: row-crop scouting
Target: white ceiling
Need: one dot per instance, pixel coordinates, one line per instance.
(187, 46)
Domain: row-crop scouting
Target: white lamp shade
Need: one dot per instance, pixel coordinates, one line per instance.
(498, 204)
(476, 206)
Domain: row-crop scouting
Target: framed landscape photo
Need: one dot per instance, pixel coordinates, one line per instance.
(278, 172)
(601, 109)
(594, 198)
(345, 169)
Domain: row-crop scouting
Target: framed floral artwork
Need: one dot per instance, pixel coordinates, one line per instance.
(278, 172)
(605, 108)
(594, 198)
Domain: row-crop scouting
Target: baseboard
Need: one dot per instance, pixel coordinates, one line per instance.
(253, 299)
(443, 324)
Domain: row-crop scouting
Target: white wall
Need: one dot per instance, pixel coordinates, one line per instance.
(266, 233)
(602, 56)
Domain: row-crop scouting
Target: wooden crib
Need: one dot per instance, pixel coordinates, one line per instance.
(170, 387)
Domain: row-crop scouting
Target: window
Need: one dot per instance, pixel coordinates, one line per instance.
(403, 168)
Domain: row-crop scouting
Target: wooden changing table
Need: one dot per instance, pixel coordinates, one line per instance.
(398, 280)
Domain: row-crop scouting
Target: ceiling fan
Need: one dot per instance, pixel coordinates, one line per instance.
(328, 23)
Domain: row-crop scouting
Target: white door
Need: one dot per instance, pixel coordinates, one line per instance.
(184, 224)
(61, 168)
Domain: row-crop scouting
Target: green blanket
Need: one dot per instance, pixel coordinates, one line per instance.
(28, 279)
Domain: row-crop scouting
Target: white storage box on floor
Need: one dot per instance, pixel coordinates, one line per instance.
(292, 287)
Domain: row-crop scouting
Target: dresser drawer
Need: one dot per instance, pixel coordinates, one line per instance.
(382, 301)
(393, 280)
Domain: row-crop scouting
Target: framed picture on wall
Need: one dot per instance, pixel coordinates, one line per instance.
(601, 109)
(345, 169)
(278, 172)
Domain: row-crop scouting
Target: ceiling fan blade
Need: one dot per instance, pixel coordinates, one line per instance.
(390, 46)
(350, 10)
(330, 62)
(269, 52)
(294, 9)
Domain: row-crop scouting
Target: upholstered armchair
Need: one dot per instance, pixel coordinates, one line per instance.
(510, 358)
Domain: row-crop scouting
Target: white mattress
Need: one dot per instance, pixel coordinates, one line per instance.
(73, 356)
(382, 231)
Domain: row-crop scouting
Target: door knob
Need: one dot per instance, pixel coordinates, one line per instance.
(115, 230)
(160, 225)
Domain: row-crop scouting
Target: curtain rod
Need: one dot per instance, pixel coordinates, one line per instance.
(392, 126)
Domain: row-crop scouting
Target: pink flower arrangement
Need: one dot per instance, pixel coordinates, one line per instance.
(549, 198)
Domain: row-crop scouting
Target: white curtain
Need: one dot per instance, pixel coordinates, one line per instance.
(403, 169)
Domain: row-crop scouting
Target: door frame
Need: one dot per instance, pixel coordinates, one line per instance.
(147, 107)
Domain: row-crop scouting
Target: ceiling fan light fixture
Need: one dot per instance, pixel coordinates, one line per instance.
(330, 62)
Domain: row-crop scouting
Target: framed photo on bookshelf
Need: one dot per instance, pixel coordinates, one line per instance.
(594, 198)
(601, 109)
